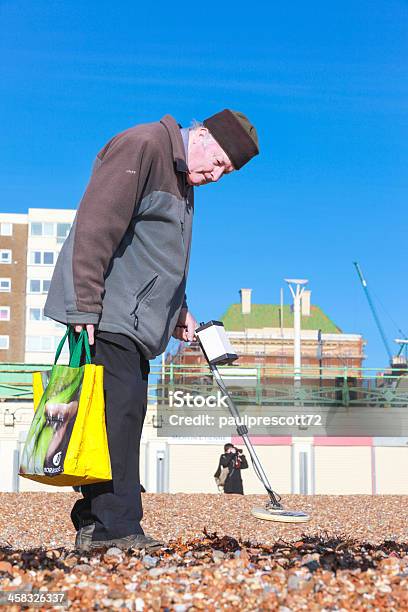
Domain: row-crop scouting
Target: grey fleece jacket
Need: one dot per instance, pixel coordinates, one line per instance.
(124, 265)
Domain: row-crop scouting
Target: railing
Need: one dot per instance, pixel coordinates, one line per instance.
(16, 380)
(277, 385)
(260, 384)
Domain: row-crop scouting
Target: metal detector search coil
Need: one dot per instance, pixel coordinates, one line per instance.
(215, 343)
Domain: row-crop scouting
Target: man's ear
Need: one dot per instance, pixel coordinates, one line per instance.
(199, 134)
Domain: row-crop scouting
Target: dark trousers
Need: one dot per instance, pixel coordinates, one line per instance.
(115, 507)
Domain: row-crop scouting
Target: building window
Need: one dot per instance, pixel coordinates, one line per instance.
(35, 286)
(35, 314)
(62, 231)
(42, 229)
(6, 229)
(33, 343)
(36, 229)
(4, 313)
(5, 256)
(35, 257)
(48, 343)
(48, 258)
(40, 343)
(4, 342)
(39, 285)
(5, 285)
(45, 258)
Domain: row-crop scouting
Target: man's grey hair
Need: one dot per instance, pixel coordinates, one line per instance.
(196, 124)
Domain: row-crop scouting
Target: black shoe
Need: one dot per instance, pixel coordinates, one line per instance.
(138, 540)
(83, 537)
(84, 542)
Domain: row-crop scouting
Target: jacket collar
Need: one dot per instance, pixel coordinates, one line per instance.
(177, 145)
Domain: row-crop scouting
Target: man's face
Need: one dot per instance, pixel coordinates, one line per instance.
(207, 162)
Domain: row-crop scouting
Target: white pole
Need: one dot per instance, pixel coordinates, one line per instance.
(297, 348)
(297, 357)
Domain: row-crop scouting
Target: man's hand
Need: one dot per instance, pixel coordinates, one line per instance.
(89, 328)
(186, 326)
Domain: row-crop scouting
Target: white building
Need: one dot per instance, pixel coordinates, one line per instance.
(47, 231)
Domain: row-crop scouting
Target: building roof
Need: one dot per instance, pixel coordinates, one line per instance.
(268, 315)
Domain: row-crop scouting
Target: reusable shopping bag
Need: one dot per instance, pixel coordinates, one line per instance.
(220, 480)
(67, 444)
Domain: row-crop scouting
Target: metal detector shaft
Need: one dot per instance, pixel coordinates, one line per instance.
(242, 431)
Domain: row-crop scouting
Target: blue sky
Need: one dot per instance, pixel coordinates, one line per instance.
(324, 83)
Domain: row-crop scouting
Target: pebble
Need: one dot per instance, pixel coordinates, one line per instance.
(5, 566)
(156, 571)
(113, 552)
(218, 554)
(115, 594)
(294, 582)
(149, 561)
(53, 554)
(83, 568)
(312, 566)
(131, 586)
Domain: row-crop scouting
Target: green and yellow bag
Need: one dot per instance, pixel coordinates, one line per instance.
(67, 444)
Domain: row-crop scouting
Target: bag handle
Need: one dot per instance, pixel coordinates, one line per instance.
(76, 347)
(81, 344)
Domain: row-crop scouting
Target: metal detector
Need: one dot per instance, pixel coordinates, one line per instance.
(217, 350)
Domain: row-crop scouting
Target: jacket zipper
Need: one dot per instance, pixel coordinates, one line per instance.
(183, 206)
(141, 296)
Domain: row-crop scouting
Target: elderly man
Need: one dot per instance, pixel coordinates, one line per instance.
(122, 273)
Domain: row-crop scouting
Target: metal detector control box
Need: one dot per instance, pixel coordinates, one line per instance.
(215, 343)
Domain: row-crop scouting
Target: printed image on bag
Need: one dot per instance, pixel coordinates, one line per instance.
(61, 418)
(50, 431)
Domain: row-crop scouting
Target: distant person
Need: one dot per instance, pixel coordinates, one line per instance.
(228, 474)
